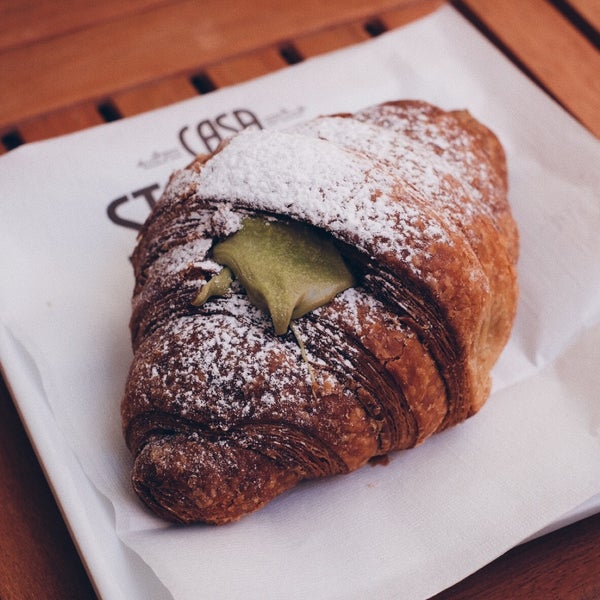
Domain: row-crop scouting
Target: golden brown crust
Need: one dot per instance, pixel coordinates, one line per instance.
(220, 414)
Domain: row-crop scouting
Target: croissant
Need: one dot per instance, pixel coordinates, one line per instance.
(227, 406)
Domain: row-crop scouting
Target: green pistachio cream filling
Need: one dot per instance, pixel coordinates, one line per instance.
(287, 269)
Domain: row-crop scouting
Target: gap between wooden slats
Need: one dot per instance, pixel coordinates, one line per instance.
(589, 10)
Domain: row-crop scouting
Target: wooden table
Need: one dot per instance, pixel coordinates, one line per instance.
(69, 65)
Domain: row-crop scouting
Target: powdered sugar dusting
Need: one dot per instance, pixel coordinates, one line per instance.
(203, 366)
(412, 160)
(182, 257)
(320, 182)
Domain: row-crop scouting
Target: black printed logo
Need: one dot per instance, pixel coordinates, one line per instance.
(209, 133)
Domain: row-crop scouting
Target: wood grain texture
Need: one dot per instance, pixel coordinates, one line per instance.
(148, 45)
(551, 49)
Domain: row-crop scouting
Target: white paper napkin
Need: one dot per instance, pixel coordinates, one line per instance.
(434, 514)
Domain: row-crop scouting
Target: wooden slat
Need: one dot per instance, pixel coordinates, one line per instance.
(139, 48)
(406, 14)
(60, 122)
(330, 39)
(245, 67)
(38, 556)
(552, 49)
(154, 95)
(26, 22)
